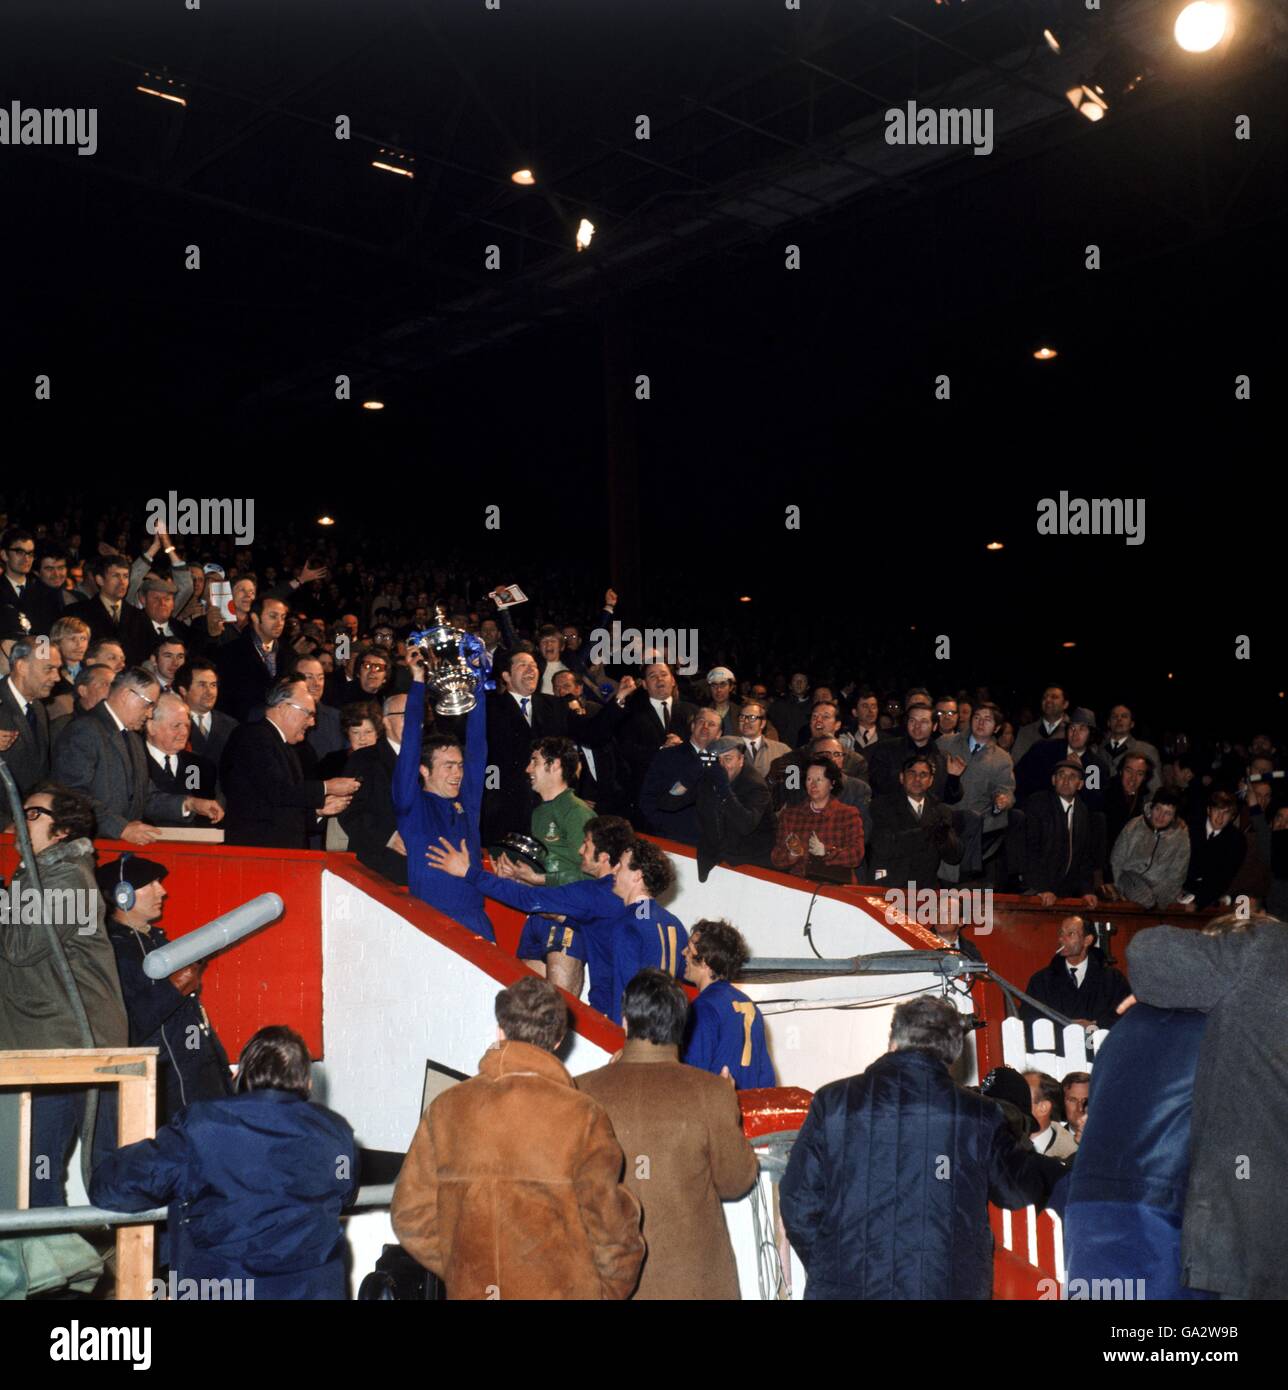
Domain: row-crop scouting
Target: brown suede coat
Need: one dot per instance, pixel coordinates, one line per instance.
(681, 1130)
(511, 1188)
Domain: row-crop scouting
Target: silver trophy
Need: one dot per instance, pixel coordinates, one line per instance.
(451, 680)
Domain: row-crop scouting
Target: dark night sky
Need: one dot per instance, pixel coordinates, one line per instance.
(768, 388)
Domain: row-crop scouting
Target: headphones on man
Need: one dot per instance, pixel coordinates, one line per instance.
(123, 892)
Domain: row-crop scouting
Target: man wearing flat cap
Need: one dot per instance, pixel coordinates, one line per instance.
(736, 823)
(721, 681)
(157, 598)
(1033, 771)
(165, 1014)
(1064, 842)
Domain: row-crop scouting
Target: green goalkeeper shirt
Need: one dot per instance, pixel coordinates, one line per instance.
(560, 825)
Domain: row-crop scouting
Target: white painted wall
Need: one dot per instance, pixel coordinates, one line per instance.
(772, 915)
(393, 999)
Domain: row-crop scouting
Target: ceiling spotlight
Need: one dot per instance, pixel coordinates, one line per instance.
(373, 405)
(993, 545)
(524, 176)
(326, 521)
(1201, 26)
(1068, 644)
(1088, 102)
(584, 233)
(1051, 41)
(395, 162)
(746, 598)
(1045, 354)
(158, 84)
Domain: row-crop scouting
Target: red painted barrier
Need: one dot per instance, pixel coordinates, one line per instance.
(271, 976)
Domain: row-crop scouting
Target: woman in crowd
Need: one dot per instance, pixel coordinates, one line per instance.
(821, 837)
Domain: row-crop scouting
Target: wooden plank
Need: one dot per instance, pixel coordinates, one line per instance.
(69, 1066)
(24, 1150)
(136, 1120)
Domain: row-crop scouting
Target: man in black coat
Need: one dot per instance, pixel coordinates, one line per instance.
(887, 759)
(109, 614)
(268, 800)
(868, 1209)
(736, 821)
(516, 718)
(912, 830)
(249, 664)
(1064, 842)
(1217, 850)
(23, 714)
(669, 797)
(197, 682)
(176, 771)
(655, 718)
(1077, 984)
(157, 596)
(20, 589)
(167, 1013)
(371, 822)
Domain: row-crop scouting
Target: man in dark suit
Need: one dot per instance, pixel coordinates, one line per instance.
(19, 587)
(109, 615)
(598, 783)
(669, 796)
(1078, 983)
(268, 800)
(175, 770)
(736, 821)
(371, 823)
(157, 596)
(655, 718)
(31, 677)
(197, 682)
(912, 830)
(102, 755)
(249, 664)
(1217, 850)
(325, 736)
(886, 759)
(516, 718)
(1064, 842)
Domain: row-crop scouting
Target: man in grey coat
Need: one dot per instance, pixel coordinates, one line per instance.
(980, 788)
(1235, 970)
(1152, 855)
(102, 755)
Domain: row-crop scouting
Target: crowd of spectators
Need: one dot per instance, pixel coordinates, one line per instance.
(132, 703)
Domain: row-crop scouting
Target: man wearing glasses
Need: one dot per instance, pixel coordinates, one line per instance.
(761, 751)
(19, 587)
(270, 801)
(102, 755)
